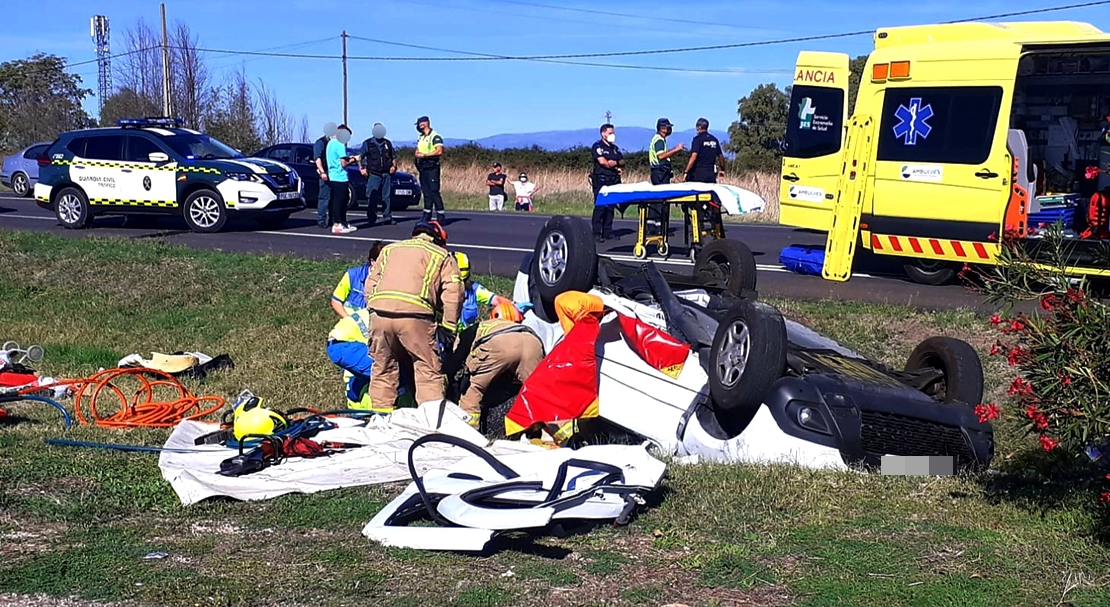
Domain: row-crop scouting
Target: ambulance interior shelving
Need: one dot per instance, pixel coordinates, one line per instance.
(1062, 104)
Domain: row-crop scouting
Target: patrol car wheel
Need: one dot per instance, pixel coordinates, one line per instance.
(961, 370)
(565, 259)
(204, 212)
(747, 356)
(20, 185)
(930, 272)
(72, 209)
(728, 264)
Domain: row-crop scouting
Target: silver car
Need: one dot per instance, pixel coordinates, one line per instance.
(21, 169)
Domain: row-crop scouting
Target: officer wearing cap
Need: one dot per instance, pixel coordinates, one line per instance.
(608, 162)
(659, 158)
(705, 154)
(429, 150)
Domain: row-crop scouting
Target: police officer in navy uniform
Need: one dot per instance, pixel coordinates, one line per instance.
(705, 155)
(608, 163)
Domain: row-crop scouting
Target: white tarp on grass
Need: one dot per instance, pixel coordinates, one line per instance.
(192, 470)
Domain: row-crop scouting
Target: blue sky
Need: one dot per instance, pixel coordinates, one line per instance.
(476, 99)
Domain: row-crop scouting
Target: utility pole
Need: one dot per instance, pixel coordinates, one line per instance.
(167, 110)
(344, 37)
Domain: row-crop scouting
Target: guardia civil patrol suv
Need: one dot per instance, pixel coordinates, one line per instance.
(153, 166)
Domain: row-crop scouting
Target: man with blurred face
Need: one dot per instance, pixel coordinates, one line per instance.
(377, 164)
(318, 150)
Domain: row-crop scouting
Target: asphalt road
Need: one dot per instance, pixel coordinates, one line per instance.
(497, 243)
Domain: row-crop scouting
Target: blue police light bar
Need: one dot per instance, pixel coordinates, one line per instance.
(150, 122)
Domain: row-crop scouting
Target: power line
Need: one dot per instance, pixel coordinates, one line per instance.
(625, 15)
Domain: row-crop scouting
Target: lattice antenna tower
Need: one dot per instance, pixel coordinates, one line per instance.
(98, 26)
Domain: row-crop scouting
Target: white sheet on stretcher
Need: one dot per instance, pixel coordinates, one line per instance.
(192, 471)
(734, 200)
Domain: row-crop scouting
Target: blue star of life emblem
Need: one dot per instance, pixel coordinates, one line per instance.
(913, 121)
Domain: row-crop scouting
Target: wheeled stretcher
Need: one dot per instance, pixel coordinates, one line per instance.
(702, 207)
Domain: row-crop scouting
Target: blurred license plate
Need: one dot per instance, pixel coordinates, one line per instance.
(288, 195)
(403, 192)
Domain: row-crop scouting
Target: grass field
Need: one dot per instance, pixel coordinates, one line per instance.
(565, 192)
(76, 523)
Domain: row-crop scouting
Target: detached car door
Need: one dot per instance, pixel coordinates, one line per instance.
(815, 129)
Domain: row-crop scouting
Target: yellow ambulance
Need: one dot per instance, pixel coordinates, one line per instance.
(960, 132)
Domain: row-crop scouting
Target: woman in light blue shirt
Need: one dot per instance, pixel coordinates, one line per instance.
(338, 159)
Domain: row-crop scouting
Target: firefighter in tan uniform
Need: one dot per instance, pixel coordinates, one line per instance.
(502, 349)
(414, 283)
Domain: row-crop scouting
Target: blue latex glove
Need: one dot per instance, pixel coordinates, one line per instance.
(524, 306)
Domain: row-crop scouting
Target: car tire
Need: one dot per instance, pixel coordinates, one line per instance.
(564, 259)
(747, 356)
(930, 272)
(272, 220)
(963, 370)
(352, 197)
(71, 207)
(728, 264)
(204, 212)
(21, 185)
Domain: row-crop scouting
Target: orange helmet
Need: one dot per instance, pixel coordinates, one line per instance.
(433, 229)
(506, 311)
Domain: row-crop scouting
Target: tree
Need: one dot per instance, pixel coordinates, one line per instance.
(189, 77)
(855, 72)
(232, 115)
(274, 124)
(127, 103)
(757, 136)
(38, 100)
(140, 66)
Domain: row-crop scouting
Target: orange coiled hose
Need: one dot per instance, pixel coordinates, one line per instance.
(145, 409)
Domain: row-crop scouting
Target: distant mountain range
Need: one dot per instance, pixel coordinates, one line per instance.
(629, 139)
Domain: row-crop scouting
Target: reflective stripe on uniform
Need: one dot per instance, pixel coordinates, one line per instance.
(653, 155)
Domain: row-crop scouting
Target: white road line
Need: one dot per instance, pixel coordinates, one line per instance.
(676, 262)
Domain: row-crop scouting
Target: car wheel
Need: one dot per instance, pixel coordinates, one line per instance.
(204, 212)
(352, 197)
(21, 186)
(747, 356)
(565, 259)
(930, 272)
(71, 207)
(728, 264)
(961, 369)
(272, 220)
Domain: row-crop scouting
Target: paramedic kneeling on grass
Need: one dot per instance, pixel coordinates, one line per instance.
(503, 349)
(348, 348)
(474, 294)
(348, 295)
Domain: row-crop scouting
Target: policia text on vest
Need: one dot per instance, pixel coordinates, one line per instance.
(429, 150)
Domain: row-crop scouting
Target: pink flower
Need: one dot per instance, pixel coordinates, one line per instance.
(1017, 325)
(993, 237)
(986, 412)
(1075, 295)
(1017, 356)
(1049, 444)
(1020, 387)
(1049, 302)
(1066, 381)
(996, 320)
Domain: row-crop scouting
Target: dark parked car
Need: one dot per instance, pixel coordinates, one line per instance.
(406, 191)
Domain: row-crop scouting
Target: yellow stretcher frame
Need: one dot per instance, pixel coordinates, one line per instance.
(697, 209)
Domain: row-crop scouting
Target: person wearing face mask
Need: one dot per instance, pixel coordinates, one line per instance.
(320, 160)
(429, 150)
(338, 160)
(608, 162)
(377, 164)
(525, 190)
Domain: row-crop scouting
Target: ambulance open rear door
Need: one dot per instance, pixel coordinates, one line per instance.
(815, 138)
